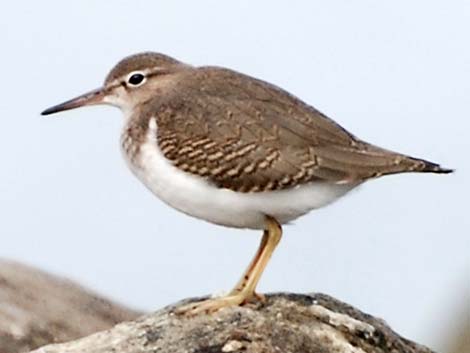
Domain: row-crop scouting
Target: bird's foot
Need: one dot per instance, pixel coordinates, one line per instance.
(214, 304)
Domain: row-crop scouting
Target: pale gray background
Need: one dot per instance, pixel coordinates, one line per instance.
(396, 73)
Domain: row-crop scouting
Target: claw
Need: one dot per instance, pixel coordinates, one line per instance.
(210, 306)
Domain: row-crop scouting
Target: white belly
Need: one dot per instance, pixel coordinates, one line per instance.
(196, 197)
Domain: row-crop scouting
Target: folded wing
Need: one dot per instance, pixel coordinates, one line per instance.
(247, 135)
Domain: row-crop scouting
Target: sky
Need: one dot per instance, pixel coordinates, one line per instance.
(396, 74)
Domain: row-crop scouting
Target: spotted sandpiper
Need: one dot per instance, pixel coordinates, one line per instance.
(234, 150)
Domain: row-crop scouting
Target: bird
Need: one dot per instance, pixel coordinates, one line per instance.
(234, 150)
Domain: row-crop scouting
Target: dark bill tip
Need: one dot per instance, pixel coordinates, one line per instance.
(94, 97)
(52, 110)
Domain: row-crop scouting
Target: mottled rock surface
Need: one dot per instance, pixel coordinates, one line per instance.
(37, 309)
(285, 323)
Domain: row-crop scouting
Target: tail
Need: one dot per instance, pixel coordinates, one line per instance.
(422, 166)
(394, 163)
(366, 161)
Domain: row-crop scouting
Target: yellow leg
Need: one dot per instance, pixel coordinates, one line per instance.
(244, 291)
(248, 272)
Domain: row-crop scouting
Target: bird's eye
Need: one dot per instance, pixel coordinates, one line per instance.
(136, 79)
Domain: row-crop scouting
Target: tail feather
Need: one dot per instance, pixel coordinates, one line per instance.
(423, 166)
(393, 163)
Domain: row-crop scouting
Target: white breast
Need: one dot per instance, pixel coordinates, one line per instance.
(197, 197)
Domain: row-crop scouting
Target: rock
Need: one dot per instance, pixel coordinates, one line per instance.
(285, 323)
(37, 309)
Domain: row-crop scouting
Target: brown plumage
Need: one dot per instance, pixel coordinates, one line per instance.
(247, 135)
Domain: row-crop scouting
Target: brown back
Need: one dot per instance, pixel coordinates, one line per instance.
(248, 135)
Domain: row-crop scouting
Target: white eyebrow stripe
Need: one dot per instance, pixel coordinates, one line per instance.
(156, 70)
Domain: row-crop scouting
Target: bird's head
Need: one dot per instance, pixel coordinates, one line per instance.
(132, 81)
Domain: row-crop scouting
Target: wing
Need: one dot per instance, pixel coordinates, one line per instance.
(247, 135)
